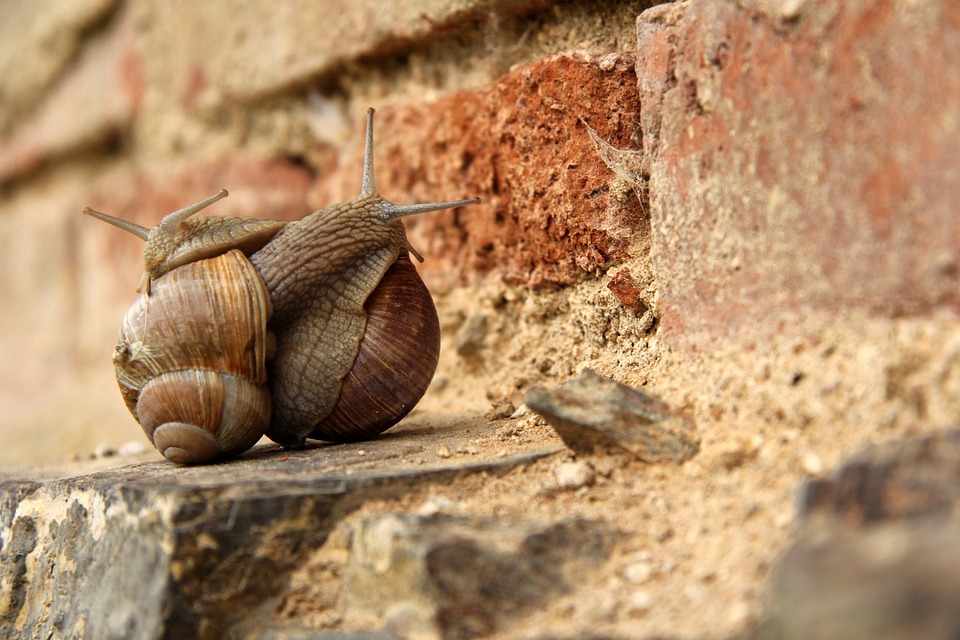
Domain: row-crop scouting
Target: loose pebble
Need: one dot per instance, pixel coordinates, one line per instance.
(638, 573)
(443, 451)
(573, 475)
(500, 409)
(435, 505)
(103, 451)
(132, 448)
(521, 411)
(811, 464)
(639, 602)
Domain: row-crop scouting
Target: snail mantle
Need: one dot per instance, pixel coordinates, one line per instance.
(152, 550)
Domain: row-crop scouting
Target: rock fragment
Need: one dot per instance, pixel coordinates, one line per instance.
(898, 480)
(888, 582)
(462, 577)
(595, 414)
(573, 475)
(879, 548)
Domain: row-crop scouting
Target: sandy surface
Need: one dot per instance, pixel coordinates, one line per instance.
(698, 542)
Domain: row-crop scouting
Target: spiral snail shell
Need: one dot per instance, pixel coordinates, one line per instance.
(319, 328)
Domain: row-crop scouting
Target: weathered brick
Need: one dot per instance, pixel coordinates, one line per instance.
(38, 42)
(215, 52)
(804, 157)
(90, 105)
(546, 215)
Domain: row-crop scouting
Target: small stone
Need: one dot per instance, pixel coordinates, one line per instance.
(103, 451)
(443, 451)
(639, 602)
(132, 448)
(435, 505)
(573, 475)
(500, 409)
(593, 414)
(811, 464)
(638, 572)
(521, 411)
(790, 9)
(471, 335)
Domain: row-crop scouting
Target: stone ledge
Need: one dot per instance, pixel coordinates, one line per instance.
(153, 550)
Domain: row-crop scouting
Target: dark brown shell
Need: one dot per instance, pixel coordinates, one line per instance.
(388, 377)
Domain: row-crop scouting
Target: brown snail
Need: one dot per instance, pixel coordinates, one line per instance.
(319, 328)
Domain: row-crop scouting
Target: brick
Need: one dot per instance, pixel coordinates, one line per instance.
(800, 162)
(38, 42)
(211, 53)
(547, 215)
(91, 104)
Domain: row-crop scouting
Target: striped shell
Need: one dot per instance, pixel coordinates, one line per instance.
(191, 359)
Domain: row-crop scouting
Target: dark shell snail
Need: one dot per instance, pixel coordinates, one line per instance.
(319, 328)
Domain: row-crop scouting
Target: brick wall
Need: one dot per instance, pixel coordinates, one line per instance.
(801, 165)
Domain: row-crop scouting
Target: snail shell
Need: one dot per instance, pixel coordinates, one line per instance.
(191, 359)
(385, 381)
(349, 338)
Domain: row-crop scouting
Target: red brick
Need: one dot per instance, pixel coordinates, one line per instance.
(625, 288)
(803, 161)
(546, 217)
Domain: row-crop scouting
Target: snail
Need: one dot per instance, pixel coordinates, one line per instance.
(319, 328)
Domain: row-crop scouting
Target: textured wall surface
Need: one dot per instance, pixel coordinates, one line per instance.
(746, 208)
(800, 161)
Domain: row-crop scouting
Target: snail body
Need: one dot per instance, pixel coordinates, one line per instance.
(319, 328)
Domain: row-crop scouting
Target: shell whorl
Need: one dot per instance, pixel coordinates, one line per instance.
(191, 359)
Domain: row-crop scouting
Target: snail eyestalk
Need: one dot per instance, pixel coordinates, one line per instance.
(390, 211)
(132, 227)
(173, 220)
(368, 187)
